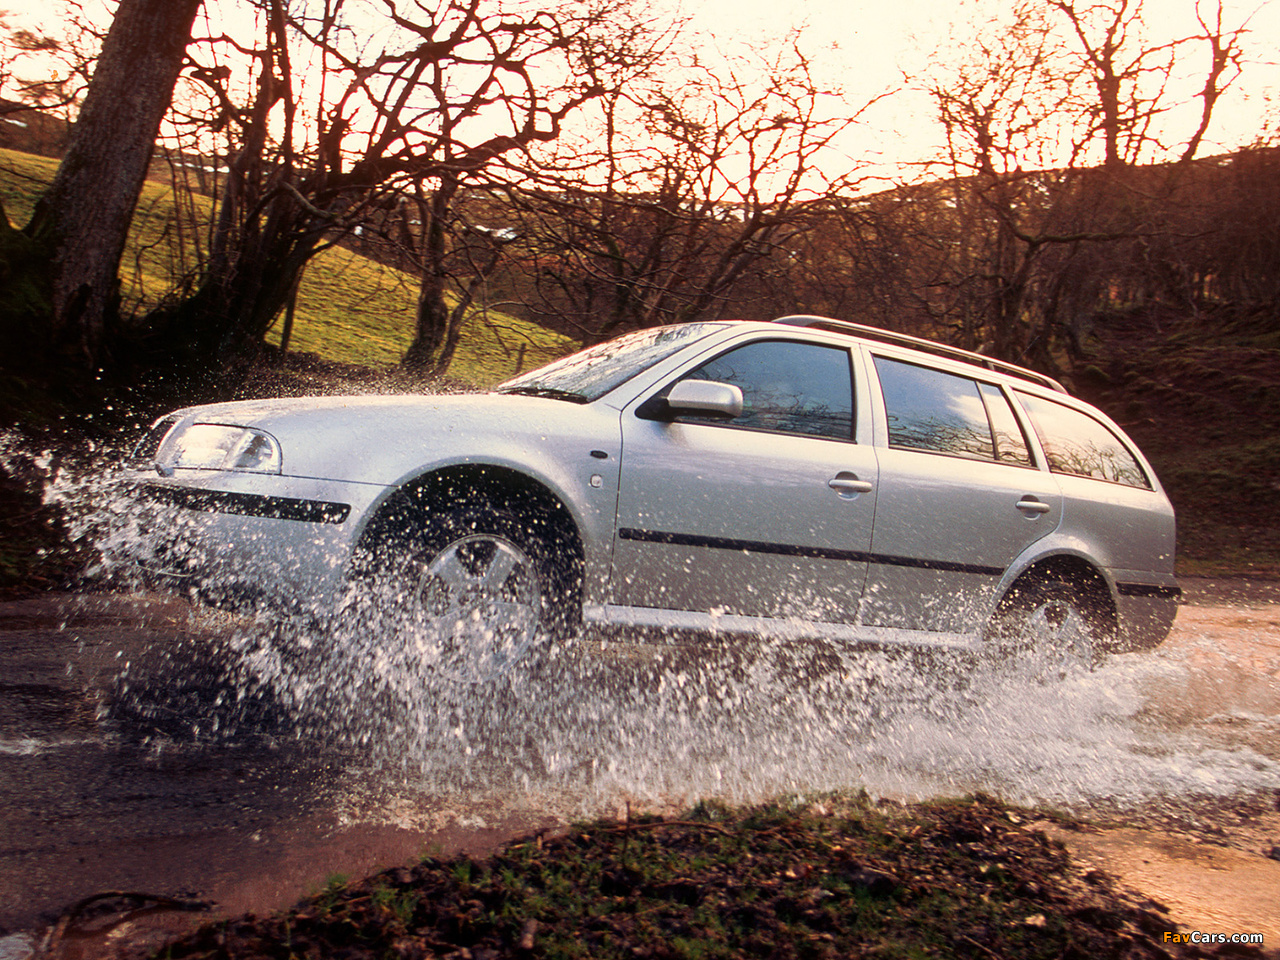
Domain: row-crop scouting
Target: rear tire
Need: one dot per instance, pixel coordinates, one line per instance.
(1049, 628)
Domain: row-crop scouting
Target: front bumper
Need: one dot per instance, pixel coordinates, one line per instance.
(285, 541)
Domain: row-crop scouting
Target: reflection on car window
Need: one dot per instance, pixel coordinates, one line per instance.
(591, 373)
(1079, 445)
(934, 411)
(787, 387)
(1011, 443)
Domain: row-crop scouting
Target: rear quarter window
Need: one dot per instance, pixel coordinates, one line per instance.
(1077, 444)
(940, 412)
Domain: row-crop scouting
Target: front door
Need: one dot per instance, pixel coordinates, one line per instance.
(765, 515)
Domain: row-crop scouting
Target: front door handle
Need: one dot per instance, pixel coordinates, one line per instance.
(1030, 505)
(848, 485)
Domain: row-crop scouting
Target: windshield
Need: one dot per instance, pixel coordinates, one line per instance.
(593, 372)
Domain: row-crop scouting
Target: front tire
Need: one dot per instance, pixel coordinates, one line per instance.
(469, 594)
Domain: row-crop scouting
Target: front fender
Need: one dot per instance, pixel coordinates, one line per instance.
(585, 484)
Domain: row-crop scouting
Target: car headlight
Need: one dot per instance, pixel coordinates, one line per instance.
(218, 446)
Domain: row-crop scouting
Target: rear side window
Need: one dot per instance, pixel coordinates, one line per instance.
(1011, 443)
(942, 412)
(1077, 444)
(787, 387)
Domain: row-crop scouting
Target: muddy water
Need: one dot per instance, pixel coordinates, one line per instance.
(149, 746)
(1214, 689)
(1199, 716)
(96, 798)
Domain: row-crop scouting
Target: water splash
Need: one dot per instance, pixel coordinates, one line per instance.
(596, 725)
(656, 722)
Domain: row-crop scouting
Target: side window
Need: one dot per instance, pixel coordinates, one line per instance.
(787, 387)
(935, 411)
(1079, 445)
(1011, 443)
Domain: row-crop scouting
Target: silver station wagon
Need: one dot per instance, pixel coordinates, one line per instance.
(801, 479)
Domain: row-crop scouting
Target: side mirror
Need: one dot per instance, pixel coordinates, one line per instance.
(705, 397)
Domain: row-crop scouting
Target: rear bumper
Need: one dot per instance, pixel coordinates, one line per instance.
(1145, 612)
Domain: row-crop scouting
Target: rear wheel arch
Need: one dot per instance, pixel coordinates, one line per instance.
(1078, 573)
(1071, 579)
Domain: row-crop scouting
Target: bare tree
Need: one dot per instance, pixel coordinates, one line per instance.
(59, 289)
(998, 113)
(323, 113)
(1226, 63)
(454, 257)
(1040, 240)
(398, 97)
(1128, 78)
(84, 217)
(46, 70)
(686, 196)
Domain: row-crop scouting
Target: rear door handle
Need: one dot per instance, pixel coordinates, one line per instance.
(848, 485)
(1030, 504)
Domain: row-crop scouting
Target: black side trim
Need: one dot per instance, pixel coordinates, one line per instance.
(249, 504)
(948, 566)
(1148, 590)
(791, 550)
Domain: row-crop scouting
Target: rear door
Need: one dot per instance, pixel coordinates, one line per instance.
(960, 497)
(765, 515)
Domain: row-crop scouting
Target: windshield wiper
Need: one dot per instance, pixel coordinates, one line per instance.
(550, 392)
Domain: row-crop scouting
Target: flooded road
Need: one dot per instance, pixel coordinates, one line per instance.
(90, 802)
(128, 763)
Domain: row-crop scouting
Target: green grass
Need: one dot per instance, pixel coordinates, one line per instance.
(350, 309)
(22, 178)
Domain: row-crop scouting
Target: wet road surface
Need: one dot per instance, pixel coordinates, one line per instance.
(93, 799)
(91, 804)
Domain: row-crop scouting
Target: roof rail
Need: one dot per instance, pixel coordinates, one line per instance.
(924, 346)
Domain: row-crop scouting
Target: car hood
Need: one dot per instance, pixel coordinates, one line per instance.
(384, 439)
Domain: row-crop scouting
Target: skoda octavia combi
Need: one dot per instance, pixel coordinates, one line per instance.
(806, 478)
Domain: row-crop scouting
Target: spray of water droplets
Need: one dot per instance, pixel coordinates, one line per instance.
(590, 725)
(661, 721)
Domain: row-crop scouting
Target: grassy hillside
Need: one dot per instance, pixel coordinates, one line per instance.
(350, 309)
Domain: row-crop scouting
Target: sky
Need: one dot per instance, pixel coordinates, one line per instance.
(866, 47)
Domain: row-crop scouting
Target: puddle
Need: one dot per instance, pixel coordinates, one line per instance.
(267, 750)
(1209, 888)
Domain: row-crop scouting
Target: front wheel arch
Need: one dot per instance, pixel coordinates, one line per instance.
(501, 488)
(427, 514)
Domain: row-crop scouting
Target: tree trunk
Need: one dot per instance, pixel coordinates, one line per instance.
(84, 218)
(431, 334)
